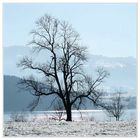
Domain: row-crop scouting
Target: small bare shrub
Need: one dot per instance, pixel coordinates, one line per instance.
(19, 117)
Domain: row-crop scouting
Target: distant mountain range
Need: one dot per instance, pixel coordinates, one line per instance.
(123, 74)
(16, 99)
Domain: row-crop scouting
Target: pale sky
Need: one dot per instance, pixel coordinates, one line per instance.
(106, 29)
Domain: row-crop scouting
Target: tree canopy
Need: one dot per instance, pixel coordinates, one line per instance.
(64, 74)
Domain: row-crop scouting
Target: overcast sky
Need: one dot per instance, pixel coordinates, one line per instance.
(106, 29)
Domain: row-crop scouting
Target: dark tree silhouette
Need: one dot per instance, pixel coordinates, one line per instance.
(64, 74)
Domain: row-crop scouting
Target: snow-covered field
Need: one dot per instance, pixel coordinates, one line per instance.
(75, 128)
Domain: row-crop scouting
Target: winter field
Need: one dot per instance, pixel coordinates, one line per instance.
(54, 128)
(48, 125)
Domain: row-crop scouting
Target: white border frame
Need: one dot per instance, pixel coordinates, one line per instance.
(66, 1)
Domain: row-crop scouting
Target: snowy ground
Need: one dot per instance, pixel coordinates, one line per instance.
(75, 128)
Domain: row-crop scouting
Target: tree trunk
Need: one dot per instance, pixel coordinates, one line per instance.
(69, 114)
(117, 118)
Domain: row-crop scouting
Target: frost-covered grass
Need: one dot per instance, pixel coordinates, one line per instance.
(75, 128)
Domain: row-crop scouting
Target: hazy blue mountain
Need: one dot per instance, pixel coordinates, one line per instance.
(11, 56)
(16, 99)
(122, 71)
(19, 100)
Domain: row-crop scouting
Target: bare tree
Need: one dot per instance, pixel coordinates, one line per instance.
(115, 105)
(63, 73)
